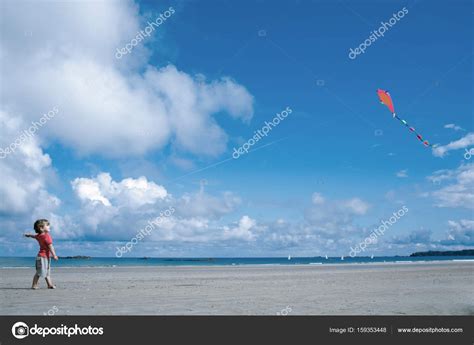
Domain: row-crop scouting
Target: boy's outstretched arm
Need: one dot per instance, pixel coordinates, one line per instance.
(29, 235)
(51, 248)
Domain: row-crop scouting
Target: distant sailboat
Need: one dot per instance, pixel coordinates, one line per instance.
(289, 257)
(342, 257)
(326, 257)
(372, 256)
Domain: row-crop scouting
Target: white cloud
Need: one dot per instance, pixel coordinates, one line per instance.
(402, 173)
(422, 236)
(191, 102)
(330, 217)
(24, 176)
(108, 106)
(107, 205)
(453, 126)
(201, 204)
(460, 191)
(242, 231)
(356, 206)
(129, 192)
(117, 209)
(441, 175)
(460, 232)
(203, 230)
(89, 190)
(466, 141)
(317, 199)
(23, 172)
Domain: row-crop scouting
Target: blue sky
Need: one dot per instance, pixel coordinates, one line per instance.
(157, 127)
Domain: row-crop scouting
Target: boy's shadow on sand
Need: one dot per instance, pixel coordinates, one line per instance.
(15, 288)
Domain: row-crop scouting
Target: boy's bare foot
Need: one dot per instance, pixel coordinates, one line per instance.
(34, 287)
(52, 287)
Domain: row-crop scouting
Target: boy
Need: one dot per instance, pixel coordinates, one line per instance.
(43, 260)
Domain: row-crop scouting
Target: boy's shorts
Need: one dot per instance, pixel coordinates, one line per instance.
(43, 266)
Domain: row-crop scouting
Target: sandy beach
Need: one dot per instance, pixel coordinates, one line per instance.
(431, 288)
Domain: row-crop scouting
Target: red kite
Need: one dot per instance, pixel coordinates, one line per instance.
(386, 99)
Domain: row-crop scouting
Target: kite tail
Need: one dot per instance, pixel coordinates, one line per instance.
(425, 142)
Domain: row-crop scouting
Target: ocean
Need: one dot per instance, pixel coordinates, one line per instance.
(11, 262)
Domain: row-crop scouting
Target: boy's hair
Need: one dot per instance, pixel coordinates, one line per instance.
(39, 224)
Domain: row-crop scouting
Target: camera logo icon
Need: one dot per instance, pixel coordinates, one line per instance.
(20, 330)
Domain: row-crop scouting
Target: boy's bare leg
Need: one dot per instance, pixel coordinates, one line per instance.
(50, 283)
(34, 285)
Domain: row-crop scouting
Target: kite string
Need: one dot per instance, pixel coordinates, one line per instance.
(418, 135)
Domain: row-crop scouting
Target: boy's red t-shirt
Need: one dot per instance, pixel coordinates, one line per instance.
(44, 239)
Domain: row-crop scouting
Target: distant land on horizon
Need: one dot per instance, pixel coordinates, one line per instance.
(75, 257)
(464, 252)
